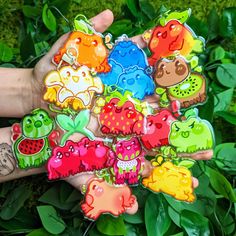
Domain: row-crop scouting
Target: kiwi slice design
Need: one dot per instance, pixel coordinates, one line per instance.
(190, 91)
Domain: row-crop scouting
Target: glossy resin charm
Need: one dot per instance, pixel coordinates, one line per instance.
(191, 135)
(30, 139)
(156, 129)
(103, 198)
(72, 88)
(173, 180)
(77, 157)
(189, 88)
(84, 48)
(128, 162)
(122, 119)
(174, 38)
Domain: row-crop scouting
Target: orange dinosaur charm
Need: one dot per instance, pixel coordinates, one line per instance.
(173, 180)
(104, 198)
(84, 49)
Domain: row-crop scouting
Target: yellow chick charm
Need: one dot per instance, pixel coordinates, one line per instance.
(173, 180)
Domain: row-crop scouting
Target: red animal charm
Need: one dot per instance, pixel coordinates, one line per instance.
(73, 158)
(104, 198)
(120, 119)
(167, 40)
(157, 129)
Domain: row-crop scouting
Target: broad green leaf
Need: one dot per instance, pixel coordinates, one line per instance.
(225, 157)
(222, 100)
(6, 53)
(228, 116)
(147, 8)
(137, 218)
(65, 122)
(226, 75)
(133, 7)
(228, 22)
(160, 90)
(51, 221)
(213, 24)
(120, 27)
(199, 27)
(220, 184)
(217, 53)
(109, 225)
(27, 49)
(206, 110)
(41, 48)
(157, 220)
(174, 215)
(30, 11)
(15, 200)
(39, 232)
(49, 19)
(54, 197)
(194, 223)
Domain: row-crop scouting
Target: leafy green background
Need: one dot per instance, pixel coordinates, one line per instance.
(34, 207)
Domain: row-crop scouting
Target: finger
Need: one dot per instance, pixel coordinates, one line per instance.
(203, 155)
(132, 210)
(100, 23)
(139, 40)
(195, 182)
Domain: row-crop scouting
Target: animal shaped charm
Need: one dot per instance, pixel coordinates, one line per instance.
(171, 39)
(68, 87)
(173, 180)
(102, 197)
(77, 157)
(123, 119)
(84, 49)
(30, 141)
(129, 160)
(191, 135)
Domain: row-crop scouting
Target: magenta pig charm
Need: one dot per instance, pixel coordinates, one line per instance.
(77, 157)
(129, 160)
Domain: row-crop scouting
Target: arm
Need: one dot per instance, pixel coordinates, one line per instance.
(19, 95)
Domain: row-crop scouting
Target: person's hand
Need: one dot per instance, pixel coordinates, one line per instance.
(101, 22)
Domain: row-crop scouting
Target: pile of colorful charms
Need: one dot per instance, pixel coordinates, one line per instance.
(107, 87)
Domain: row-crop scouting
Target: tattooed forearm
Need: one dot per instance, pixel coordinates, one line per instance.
(7, 160)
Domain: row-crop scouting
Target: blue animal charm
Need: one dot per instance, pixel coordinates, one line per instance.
(135, 80)
(127, 53)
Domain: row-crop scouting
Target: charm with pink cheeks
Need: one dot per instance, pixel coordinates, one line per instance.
(129, 160)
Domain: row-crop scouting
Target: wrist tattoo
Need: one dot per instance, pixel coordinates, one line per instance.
(7, 160)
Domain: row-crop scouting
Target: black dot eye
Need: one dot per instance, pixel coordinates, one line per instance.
(78, 40)
(123, 80)
(177, 63)
(192, 125)
(41, 116)
(59, 155)
(176, 128)
(94, 186)
(95, 43)
(138, 76)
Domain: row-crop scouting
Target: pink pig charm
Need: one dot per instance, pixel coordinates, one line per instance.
(128, 162)
(77, 157)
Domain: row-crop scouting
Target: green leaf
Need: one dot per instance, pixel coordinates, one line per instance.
(188, 163)
(222, 100)
(82, 119)
(120, 27)
(226, 75)
(194, 223)
(224, 157)
(157, 220)
(180, 16)
(137, 218)
(50, 219)
(199, 27)
(38, 232)
(14, 202)
(217, 53)
(228, 116)
(213, 24)
(49, 19)
(206, 110)
(133, 7)
(65, 122)
(6, 53)
(30, 11)
(147, 8)
(220, 184)
(27, 49)
(228, 22)
(109, 225)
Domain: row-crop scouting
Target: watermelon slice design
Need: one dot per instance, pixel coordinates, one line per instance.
(30, 146)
